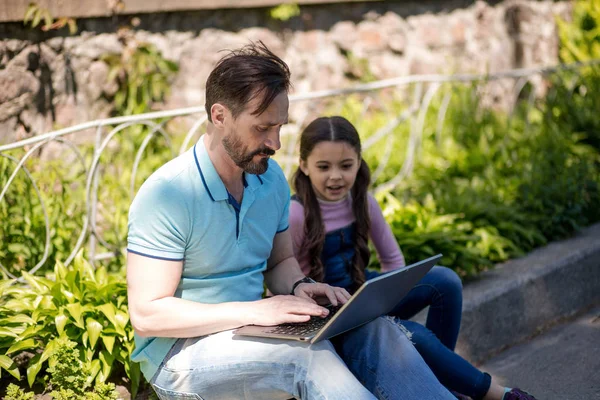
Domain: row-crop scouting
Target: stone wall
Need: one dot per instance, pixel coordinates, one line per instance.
(53, 80)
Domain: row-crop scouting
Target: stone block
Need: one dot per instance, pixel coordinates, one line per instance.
(344, 34)
(8, 129)
(95, 46)
(18, 90)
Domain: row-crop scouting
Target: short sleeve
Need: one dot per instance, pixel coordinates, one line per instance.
(159, 222)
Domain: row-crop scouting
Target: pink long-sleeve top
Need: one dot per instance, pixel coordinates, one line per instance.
(337, 216)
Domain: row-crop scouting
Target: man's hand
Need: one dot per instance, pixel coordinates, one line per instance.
(284, 309)
(322, 293)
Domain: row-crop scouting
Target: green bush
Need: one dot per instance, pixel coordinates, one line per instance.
(142, 75)
(69, 378)
(22, 226)
(492, 188)
(13, 392)
(83, 305)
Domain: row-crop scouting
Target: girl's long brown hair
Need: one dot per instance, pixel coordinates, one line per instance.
(333, 129)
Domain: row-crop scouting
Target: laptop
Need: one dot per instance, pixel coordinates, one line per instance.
(373, 299)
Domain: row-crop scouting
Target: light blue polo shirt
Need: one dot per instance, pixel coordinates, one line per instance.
(184, 212)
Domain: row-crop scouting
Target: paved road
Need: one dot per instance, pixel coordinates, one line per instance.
(561, 364)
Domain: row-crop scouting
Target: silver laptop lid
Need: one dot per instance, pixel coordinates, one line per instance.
(375, 298)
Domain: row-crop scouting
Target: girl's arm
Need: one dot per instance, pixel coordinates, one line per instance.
(389, 253)
(297, 232)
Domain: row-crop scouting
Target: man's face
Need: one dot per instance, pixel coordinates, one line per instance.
(251, 139)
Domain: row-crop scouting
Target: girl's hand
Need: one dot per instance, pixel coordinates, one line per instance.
(319, 292)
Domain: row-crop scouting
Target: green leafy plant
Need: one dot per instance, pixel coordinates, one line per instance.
(143, 76)
(580, 38)
(13, 392)
(284, 12)
(69, 378)
(573, 100)
(22, 222)
(81, 304)
(36, 14)
(422, 231)
(62, 188)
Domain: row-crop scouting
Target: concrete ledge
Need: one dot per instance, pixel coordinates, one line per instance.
(524, 296)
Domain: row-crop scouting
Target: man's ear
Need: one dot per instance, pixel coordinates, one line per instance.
(218, 114)
(303, 167)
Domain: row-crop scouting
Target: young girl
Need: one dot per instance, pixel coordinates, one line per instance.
(332, 218)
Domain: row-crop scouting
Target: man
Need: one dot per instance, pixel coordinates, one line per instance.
(206, 230)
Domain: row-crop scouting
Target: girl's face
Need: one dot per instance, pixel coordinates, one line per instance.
(331, 168)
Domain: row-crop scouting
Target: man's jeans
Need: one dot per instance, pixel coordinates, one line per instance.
(222, 366)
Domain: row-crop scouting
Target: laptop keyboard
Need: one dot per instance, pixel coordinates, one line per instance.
(313, 325)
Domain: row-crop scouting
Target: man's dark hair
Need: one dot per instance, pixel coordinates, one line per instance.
(242, 75)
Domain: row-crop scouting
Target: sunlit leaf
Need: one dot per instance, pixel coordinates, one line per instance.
(11, 332)
(109, 342)
(72, 26)
(31, 9)
(35, 365)
(60, 270)
(49, 350)
(5, 284)
(89, 354)
(101, 275)
(34, 282)
(76, 310)
(22, 345)
(122, 319)
(110, 311)
(17, 319)
(94, 368)
(8, 364)
(106, 360)
(93, 328)
(17, 305)
(60, 321)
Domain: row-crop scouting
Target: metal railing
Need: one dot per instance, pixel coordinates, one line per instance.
(417, 91)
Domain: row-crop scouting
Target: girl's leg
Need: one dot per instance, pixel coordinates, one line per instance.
(441, 290)
(387, 364)
(452, 370)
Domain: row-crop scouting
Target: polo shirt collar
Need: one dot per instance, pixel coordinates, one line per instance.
(210, 178)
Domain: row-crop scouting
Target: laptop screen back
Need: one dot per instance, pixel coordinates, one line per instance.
(375, 298)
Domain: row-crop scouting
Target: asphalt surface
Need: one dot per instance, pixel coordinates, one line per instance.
(563, 363)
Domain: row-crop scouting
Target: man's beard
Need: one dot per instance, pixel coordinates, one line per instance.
(244, 158)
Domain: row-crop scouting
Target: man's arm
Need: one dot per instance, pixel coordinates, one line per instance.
(283, 271)
(151, 284)
(154, 311)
